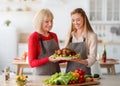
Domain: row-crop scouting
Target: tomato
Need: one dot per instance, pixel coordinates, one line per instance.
(80, 71)
(91, 79)
(81, 80)
(81, 77)
(71, 82)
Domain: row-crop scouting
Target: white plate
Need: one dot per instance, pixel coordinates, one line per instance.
(65, 58)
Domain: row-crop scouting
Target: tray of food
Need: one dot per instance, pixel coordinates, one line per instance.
(65, 54)
(82, 84)
(75, 78)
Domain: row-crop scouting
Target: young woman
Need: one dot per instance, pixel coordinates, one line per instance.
(42, 44)
(83, 40)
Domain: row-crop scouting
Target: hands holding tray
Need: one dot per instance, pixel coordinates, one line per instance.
(65, 54)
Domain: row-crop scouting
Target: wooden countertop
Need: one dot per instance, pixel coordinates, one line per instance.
(106, 80)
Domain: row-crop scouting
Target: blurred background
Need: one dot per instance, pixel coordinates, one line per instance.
(16, 24)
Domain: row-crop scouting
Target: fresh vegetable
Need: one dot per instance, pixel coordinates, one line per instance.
(59, 78)
(80, 71)
(74, 77)
(88, 76)
(96, 76)
(89, 79)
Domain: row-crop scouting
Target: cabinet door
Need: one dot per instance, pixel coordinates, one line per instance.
(105, 10)
(8, 47)
(116, 55)
(113, 10)
(96, 10)
(116, 52)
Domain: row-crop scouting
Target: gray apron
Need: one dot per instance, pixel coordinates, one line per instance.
(47, 49)
(79, 48)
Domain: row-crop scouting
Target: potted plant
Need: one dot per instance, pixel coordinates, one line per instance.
(7, 22)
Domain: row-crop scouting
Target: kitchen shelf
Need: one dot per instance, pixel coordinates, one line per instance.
(14, 12)
(18, 5)
(19, 2)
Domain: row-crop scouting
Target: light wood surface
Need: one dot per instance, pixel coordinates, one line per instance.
(106, 80)
(110, 65)
(21, 64)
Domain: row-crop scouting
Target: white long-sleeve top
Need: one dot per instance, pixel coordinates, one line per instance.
(92, 46)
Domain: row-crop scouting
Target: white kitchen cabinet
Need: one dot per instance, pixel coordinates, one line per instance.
(8, 46)
(105, 10)
(116, 55)
(21, 48)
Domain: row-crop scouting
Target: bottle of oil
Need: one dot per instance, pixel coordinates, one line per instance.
(104, 54)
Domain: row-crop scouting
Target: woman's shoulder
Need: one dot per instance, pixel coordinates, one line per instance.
(53, 34)
(92, 35)
(34, 35)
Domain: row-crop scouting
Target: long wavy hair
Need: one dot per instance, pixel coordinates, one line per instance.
(86, 24)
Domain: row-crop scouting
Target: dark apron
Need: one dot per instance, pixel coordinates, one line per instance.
(47, 49)
(78, 48)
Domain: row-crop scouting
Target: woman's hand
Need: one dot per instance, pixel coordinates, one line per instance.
(75, 59)
(79, 60)
(53, 60)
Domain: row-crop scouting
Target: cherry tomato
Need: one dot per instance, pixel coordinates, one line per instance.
(91, 79)
(77, 70)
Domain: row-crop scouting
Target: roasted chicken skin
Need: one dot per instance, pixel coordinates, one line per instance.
(65, 52)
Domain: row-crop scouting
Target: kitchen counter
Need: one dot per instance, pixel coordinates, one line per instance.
(106, 80)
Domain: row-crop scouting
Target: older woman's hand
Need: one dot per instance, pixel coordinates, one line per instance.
(53, 60)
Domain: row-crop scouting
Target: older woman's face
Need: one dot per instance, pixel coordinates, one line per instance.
(47, 24)
(77, 21)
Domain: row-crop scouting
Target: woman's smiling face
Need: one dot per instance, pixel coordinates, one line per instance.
(47, 24)
(77, 21)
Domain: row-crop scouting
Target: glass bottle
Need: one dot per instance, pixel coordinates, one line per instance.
(104, 54)
(7, 73)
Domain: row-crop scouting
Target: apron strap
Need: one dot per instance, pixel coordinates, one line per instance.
(71, 39)
(41, 42)
(84, 39)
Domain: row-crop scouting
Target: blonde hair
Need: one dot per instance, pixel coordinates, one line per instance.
(40, 16)
(87, 26)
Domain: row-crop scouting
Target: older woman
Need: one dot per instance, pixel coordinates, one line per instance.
(42, 44)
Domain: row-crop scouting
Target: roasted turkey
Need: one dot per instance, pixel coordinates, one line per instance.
(65, 52)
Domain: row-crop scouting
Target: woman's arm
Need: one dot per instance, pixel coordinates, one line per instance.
(34, 51)
(92, 49)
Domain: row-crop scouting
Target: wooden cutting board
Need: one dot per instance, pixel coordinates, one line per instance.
(82, 84)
